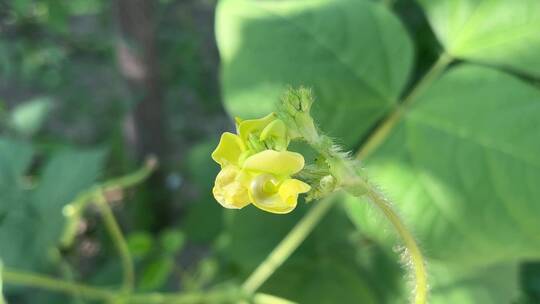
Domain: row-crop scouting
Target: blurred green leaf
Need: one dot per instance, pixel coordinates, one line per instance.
(200, 168)
(65, 175)
(498, 32)
(462, 168)
(323, 281)
(140, 244)
(22, 7)
(15, 228)
(15, 157)
(355, 55)
(155, 274)
(493, 284)
(207, 270)
(27, 118)
(172, 241)
(84, 7)
(204, 219)
(33, 221)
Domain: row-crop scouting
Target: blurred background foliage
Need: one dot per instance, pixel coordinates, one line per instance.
(89, 89)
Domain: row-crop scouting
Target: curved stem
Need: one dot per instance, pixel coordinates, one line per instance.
(412, 250)
(287, 246)
(119, 241)
(382, 131)
(74, 209)
(150, 164)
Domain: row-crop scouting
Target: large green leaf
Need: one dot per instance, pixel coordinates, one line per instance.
(354, 54)
(462, 168)
(501, 32)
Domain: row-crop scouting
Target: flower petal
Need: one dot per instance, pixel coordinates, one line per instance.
(250, 126)
(228, 150)
(277, 163)
(290, 189)
(274, 129)
(276, 133)
(228, 190)
(275, 204)
(275, 200)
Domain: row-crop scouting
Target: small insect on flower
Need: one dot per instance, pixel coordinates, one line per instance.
(257, 168)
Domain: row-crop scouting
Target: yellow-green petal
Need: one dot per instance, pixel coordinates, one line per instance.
(250, 126)
(276, 132)
(278, 163)
(274, 129)
(228, 190)
(228, 150)
(290, 189)
(268, 193)
(275, 204)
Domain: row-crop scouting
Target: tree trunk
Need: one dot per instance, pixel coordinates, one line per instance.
(144, 127)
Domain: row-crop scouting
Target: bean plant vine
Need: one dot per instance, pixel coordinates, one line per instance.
(256, 168)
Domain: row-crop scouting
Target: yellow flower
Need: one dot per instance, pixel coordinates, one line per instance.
(251, 172)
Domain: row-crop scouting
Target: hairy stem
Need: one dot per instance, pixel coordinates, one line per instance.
(119, 241)
(287, 246)
(412, 250)
(382, 131)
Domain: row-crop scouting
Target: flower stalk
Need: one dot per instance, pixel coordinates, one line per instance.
(346, 174)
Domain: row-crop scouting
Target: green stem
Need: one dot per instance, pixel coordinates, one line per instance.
(263, 298)
(44, 282)
(74, 209)
(119, 241)
(221, 296)
(95, 293)
(287, 246)
(412, 250)
(134, 178)
(382, 131)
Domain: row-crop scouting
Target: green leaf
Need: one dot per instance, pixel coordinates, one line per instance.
(155, 275)
(201, 172)
(27, 118)
(66, 175)
(15, 227)
(323, 281)
(355, 54)
(493, 284)
(15, 157)
(172, 241)
(140, 244)
(462, 169)
(499, 32)
(32, 222)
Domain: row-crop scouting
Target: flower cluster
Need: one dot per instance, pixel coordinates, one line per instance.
(257, 168)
